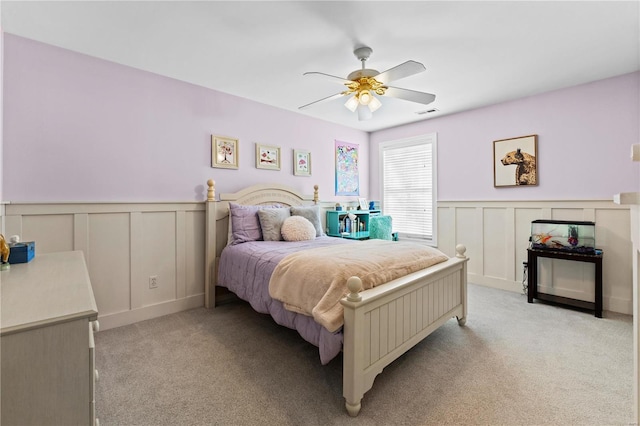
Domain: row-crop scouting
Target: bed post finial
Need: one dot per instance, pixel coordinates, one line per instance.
(354, 284)
(315, 194)
(211, 192)
(460, 249)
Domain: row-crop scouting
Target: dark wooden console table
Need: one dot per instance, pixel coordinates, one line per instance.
(532, 292)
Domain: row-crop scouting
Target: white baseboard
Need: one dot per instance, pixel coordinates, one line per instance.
(614, 304)
(148, 312)
(499, 283)
(617, 304)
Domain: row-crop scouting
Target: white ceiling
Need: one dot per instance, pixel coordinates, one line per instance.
(476, 53)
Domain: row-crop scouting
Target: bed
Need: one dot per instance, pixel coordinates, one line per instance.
(378, 325)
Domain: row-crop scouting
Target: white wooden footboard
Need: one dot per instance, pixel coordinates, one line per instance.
(383, 323)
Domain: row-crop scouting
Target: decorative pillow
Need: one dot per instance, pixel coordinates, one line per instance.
(271, 221)
(244, 222)
(312, 214)
(298, 228)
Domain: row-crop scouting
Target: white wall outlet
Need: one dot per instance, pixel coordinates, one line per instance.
(153, 281)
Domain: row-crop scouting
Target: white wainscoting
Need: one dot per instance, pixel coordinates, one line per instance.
(496, 235)
(124, 244)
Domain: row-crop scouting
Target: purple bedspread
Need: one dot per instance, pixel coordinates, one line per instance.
(246, 268)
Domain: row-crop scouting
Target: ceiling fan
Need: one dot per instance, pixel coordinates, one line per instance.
(367, 84)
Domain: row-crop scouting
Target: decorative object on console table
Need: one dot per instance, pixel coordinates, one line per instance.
(301, 162)
(362, 203)
(22, 252)
(563, 235)
(4, 253)
(520, 152)
(224, 152)
(267, 157)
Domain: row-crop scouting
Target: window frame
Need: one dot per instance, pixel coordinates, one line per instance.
(432, 139)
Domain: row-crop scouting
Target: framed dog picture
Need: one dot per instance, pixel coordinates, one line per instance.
(515, 161)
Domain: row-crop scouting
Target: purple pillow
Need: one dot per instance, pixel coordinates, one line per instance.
(245, 223)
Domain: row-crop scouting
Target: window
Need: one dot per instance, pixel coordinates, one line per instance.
(408, 181)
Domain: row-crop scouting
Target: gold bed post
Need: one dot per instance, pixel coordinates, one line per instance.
(315, 194)
(210, 246)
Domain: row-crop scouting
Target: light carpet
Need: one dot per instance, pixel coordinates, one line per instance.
(513, 363)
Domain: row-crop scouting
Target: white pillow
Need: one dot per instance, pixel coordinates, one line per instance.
(297, 228)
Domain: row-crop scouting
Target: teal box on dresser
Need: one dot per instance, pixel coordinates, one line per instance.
(22, 252)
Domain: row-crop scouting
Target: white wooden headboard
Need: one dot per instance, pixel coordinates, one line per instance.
(217, 221)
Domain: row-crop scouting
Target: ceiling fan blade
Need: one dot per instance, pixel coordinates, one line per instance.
(401, 71)
(328, 77)
(328, 98)
(410, 95)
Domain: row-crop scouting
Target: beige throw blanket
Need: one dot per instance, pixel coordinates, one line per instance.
(312, 282)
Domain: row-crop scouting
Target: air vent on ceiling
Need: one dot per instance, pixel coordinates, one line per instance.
(427, 111)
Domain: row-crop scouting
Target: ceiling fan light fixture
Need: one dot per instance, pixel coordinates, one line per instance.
(364, 97)
(374, 104)
(364, 113)
(352, 103)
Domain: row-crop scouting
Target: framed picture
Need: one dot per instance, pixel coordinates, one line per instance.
(267, 157)
(362, 202)
(515, 161)
(301, 162)
(347, 178)
(224, 152)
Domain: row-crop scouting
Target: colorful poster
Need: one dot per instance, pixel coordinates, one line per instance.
(347, 181)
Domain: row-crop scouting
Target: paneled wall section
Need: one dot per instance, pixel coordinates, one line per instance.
(496, 235)
(126, 243)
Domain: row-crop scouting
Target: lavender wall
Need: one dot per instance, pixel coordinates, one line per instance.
(79, 128)
(1, 113)
(584, 133)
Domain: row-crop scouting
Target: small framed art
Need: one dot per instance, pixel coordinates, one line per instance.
(267, 157)
(362, 202)
(301, 162)
(224, 152)
(515, 161)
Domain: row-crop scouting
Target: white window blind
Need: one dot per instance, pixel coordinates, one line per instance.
(409, 186)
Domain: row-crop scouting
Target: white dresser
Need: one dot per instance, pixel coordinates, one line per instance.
(47, 353)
